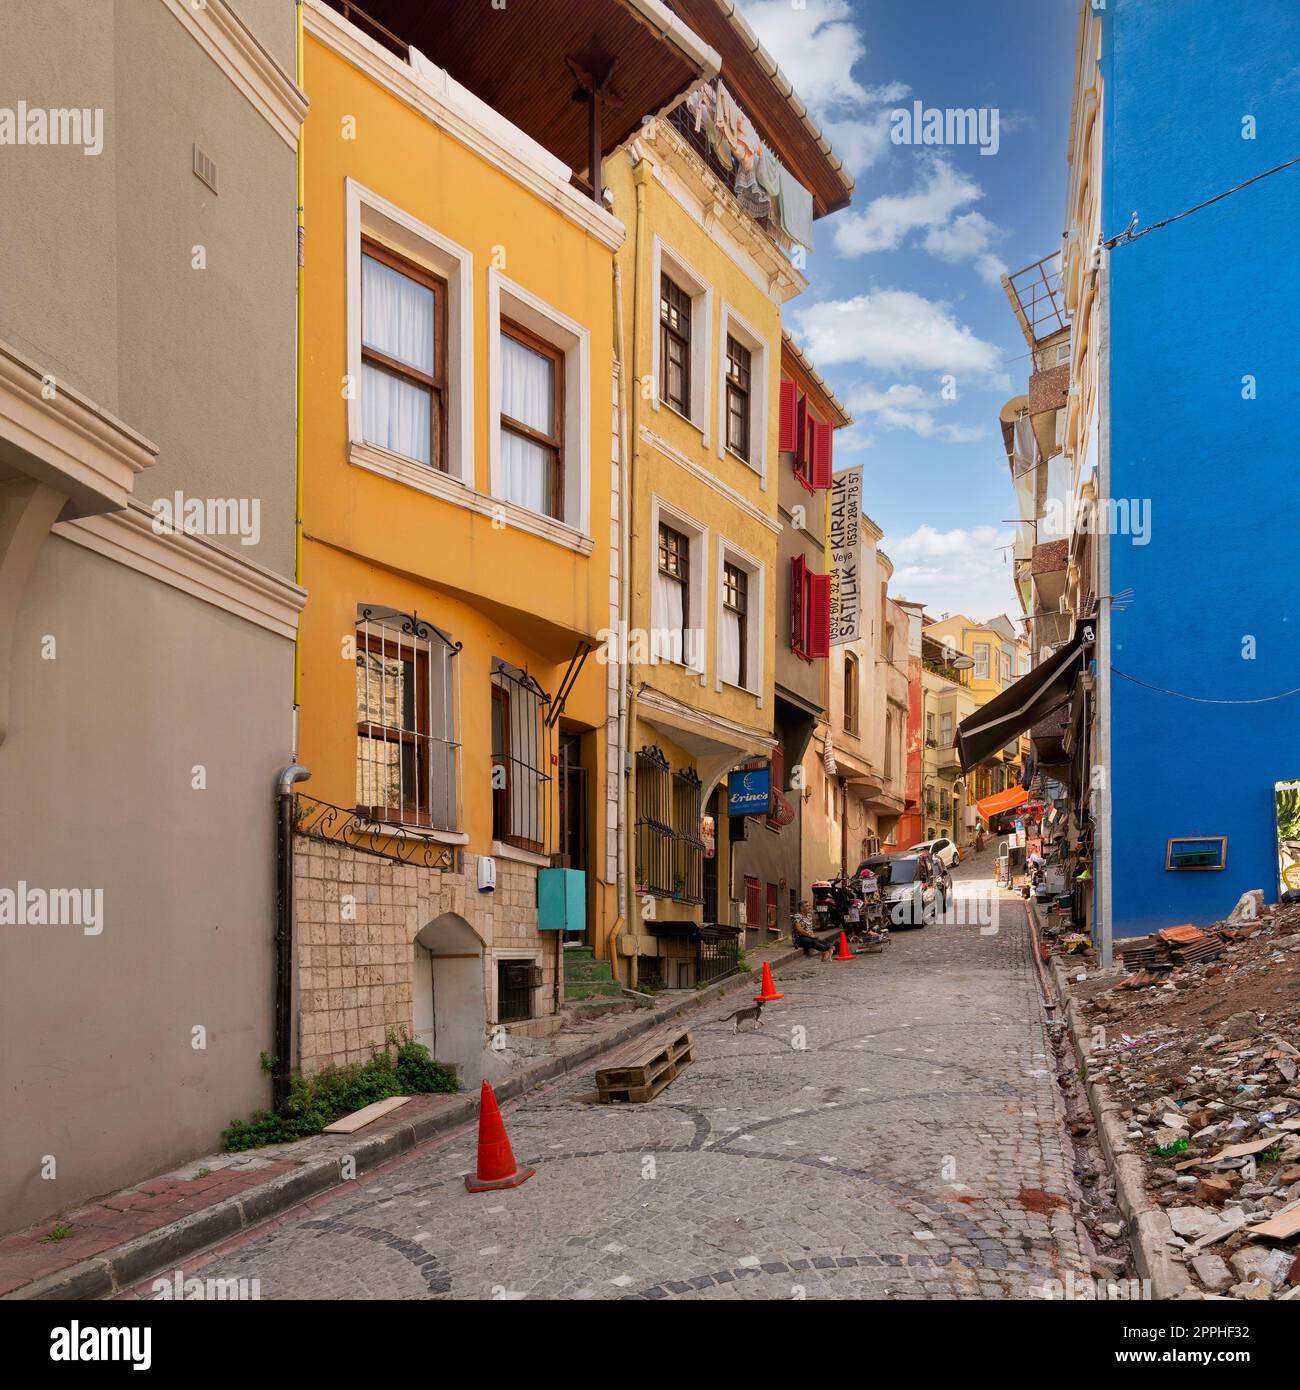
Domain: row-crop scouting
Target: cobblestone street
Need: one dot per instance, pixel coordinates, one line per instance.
(893, 1130)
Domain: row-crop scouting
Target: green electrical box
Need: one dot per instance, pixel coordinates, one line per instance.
(561, 900)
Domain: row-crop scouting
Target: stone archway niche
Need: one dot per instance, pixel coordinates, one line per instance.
(448, 1007)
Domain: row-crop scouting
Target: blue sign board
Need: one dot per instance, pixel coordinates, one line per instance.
(749, 792)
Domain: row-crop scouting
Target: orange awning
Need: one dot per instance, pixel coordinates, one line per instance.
(1001, 801)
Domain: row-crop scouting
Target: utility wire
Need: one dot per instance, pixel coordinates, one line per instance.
(1200, 699)
(1128, 235)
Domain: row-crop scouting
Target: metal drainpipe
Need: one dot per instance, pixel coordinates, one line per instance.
(628, 391)
(844, 826)
(282, 1041)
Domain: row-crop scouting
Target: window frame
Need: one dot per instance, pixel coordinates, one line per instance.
(371, 217)
(668, 287)
(676, 546)
(746, 336)
(752, 630)
(504, 756)
(666, 261)
(653, 827)
(409, 634)
(555, 442)
(510, 304)
(694, 647)
(987, 650)
(737, 383)
(436, 384)
(851, 693)
(739, 605)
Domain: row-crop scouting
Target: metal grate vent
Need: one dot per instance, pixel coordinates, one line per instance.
(205, 168)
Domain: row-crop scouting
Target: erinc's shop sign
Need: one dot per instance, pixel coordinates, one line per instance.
(749, 792)
(844, 554)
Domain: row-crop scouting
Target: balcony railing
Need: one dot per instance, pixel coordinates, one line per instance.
(752, 199)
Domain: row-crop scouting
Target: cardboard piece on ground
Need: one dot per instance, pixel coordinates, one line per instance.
(359, 1119)
(1279, 1227)
(1232, 1151)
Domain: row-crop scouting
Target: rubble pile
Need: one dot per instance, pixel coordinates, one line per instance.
(1204, 1065)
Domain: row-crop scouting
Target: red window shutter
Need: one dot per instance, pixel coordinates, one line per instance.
(753, 902)
(787, 434)
(798, 618)
(822, 436)
(819, 606)
(801, 431)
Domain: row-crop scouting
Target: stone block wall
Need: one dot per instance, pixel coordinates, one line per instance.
(357, 917)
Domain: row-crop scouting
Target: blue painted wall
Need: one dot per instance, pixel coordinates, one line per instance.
(1194, 308)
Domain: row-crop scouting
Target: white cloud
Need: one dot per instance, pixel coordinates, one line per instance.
(885, 221)
(932, 206)
(817, 46)
(909, 407)
(968, 238)
(957, 571)
(896, 331)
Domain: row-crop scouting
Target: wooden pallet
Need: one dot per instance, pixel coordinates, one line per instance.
(643, 1080)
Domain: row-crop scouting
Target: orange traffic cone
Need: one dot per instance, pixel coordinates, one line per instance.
(844, 953)
(496, 1159)
(769, 994)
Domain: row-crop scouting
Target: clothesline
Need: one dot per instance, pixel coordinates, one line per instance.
(764, 186)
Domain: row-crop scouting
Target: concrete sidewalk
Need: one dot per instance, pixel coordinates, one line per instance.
(123, 1237)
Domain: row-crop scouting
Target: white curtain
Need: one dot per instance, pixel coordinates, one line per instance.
(396, 315)
(729, 648)
(527, 395)
(395, 414)
(397, 319)
(668, 619)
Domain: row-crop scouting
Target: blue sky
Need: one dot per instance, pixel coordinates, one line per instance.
(905, 283)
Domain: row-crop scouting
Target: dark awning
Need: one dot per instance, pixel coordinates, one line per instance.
(1031, 698)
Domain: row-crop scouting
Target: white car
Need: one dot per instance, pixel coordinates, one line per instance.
(914, 892)
(943, 850)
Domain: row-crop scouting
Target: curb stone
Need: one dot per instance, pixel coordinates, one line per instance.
(115, 1270)
(1149, 1231)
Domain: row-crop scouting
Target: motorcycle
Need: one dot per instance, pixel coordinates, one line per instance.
(825, 905)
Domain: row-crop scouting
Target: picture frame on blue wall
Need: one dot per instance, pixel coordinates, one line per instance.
(1190, 853)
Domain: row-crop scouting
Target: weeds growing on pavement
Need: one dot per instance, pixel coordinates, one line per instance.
(402, 1068)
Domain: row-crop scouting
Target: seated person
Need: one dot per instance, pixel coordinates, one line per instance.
(802, 934)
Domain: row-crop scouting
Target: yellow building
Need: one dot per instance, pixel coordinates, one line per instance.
(710, 195)
(460, 509)
(999, 656)
(946, 699)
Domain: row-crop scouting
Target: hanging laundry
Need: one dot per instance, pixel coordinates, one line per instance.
(796, 209)
(737, 129)
(769, 173)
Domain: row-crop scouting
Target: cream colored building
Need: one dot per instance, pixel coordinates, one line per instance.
(946, 699)
(147, 316)
(856, 767)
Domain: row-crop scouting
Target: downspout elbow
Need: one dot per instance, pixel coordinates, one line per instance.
(287, 776)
